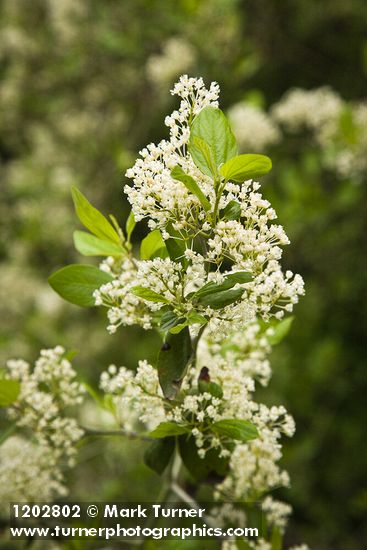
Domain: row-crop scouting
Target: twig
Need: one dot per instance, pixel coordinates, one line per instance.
(182, 495)
(130, 435)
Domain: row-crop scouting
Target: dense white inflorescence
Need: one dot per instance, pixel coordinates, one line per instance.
(138, 402)
(155, 194)
(334, 127)
(337, 128)
(232, 340)
(308, 108)
(252, 244)
(28, 472)
(46, 392)
(177, 56)
(235, 346)
(254, 129)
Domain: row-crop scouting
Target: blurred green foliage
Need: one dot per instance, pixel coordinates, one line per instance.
(84, 85)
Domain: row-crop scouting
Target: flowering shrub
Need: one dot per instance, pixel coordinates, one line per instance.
(336, 128)
(208, 278)
(37, 401)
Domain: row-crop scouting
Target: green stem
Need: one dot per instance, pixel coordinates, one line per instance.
(89, 432)
(163, 494)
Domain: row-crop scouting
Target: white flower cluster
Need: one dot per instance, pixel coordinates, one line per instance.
(64, 17)
(46, 392)
(28, 472)
(254, 129)
(246, 351)
(233, 351)
(139, 399)
(312, 109)
(252, 243)
(177, 56)
(155, 194)
(135, 398)
(337, 128)
(124, 308)
(277, 512)
(254, 468)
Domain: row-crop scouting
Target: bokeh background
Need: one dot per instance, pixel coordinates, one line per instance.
(83, 86)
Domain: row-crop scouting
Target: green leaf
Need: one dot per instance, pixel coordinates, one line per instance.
(202, 156)
(148, 294)
(229, 282)
(210, 387)
(231, 212)
(218, 295)
(241, 430)
(180, 326)
(241, 277)
(281, 330)
(217, 300)
(178, 174)
(212, 288)
(158, 455)
(153, 246)
(244, 167)
(76, 283)
(166, 429)
(130, 225)
(176, 250)
(172, 362)
(200, 468)
(211, 126)
(196, 319)
(5, 433)
(89, 245)
(9, 391)
(176, 246)
(92, 219)
(71, 354)
(168, 320)
(348, 127)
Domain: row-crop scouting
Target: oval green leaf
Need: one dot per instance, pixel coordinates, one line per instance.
(241, 430)
(173, 360)
(148, 294)
(90, 245)
(167, 429)
(280, 330)
(244, 167)
(92, 219)
(76, 283)
(158, 455)
(153, 246)
(211, 126)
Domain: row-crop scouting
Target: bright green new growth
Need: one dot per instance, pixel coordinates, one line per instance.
(212, 141)
(77, 283)
(9, 391)
(93, 220)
